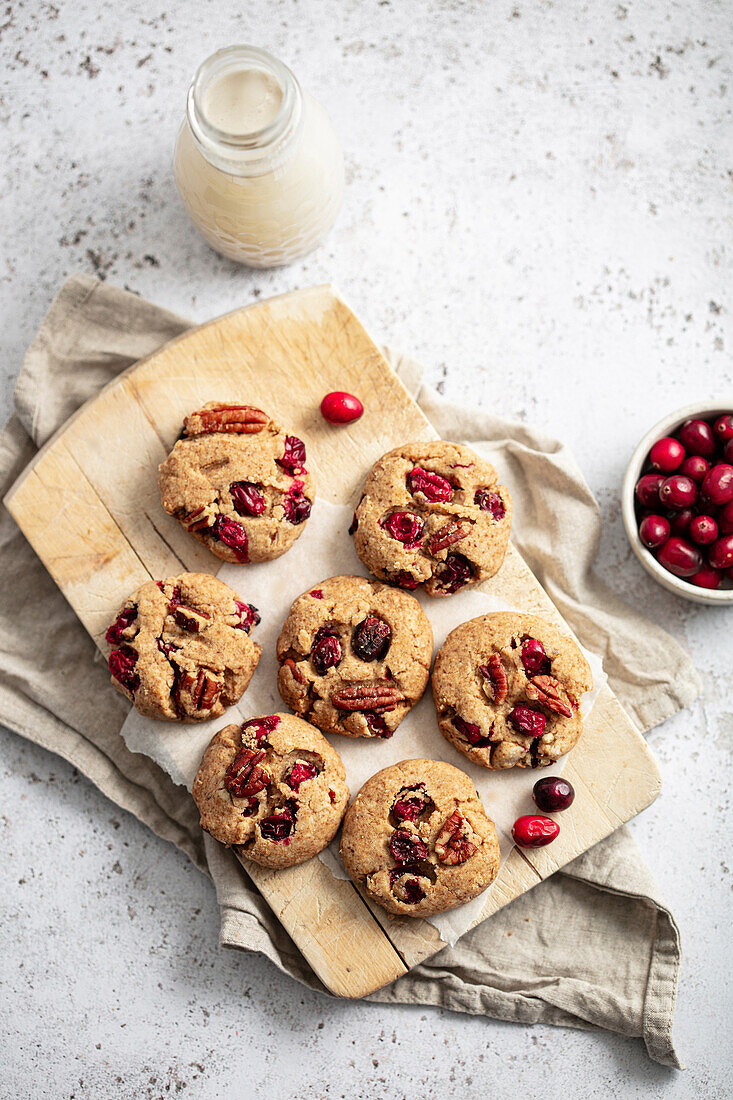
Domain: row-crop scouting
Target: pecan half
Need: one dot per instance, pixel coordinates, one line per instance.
(200, 518)
(189, 619)
(225, 418)
(452, 845)
(448, 534)
(377, 696)
(295, 671)
(496, 682)
(244, 776)
(546, 690)
(200, 692)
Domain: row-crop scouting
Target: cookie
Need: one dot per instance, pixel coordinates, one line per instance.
(237, 482)
(273, 787)
(181, 649)
(354, 656)
(507, 689)
(417, 839)
(433, 514)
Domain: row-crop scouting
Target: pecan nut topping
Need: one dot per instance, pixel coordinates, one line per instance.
(244, 777)
(295, 671)
(202, 690)
(200, 518)
(242, 419)
(547, 691)
(496, 682)
(381, 695)
(452, 845)
(448, 534)
(189, 619)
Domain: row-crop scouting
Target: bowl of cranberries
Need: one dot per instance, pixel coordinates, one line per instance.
(678, 503)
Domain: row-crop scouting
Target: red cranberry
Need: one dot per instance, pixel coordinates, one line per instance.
(728, 451)
(707, 577)
(534, 658)
(411, 805)
(326, 651)
(300, 773)
(647, 490)
(471, 733)
(293, 459)
(725, 519)
(248, 614)
(455, 573)
(490, 502)
(121, 664)
(405, 580)
(233, 535)
(406, 847)
(377, 725)
(125, 618)
(703, 530)
(678, 491)
(680, 521)
(553, 794)
(247, 499)
(654, 531)
(528, 721)
(695, 467)
(372, 639)
(666, 454)
(261, 726)
(533, 831)
(341, 408)
(297, 506)
(723, 428)
(718, 484)
(279, 826)
(409, 890)
(697, 438)
(680, 557)
(432, 486)
(720, 554)
(405, 527)
(316, 593)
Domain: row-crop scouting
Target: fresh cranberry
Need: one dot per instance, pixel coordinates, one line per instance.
(406, 847)
(261, 726)
(678, 491)
(405, 580)
(377, 725)
(297, 506)
(300, 773)
(534, 658)
(707, 577)
(697, 438)
(233, 535)
(455, 573)
(432, 486)
(248, 614)
(125, 618)
(666, 454)
(553, 794)
(166, 648)
(680, 557)
(647, 490)
(720, 554)
(405, 527)
(279, 826)
(654, 531)
(326, 651)
(247, 499)
(718, 484)
(372, 639)
(490, 502)
(528, 721)
(680, 521)
(703, 530)
(723, 428)
(293, 459)
(121, 664)
(695, 467)
(341, 408)
(471, 733)
(728, 451)
(725, 519)
(533, 831)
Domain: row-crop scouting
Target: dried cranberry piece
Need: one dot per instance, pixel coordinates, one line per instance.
(261, 726)
(248, 614)
(247, 499)
(471, 733)
(297, 506)
(244, 777)
(406, 847)
(455, 573)
(293, 459)
(405, 527)
(251, 808)
(279, 826)
(299, 773)
(317, 593)
(528, 721)
(410, 807)
(376, 724)
(166, 647)
(233, 535)
(534, 658)
(432, 486)
(405, 580)
(326, 651)
(490, 502)
(121, 665)
(372, 639)
(410, 890)
(125, 618)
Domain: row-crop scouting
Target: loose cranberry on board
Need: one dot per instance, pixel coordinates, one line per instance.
(533, 831)
(339, 407)
(553, 794)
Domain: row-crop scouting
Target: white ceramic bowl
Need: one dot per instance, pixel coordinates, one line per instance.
(717, 597)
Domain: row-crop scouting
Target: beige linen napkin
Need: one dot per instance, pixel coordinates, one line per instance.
(594, 946)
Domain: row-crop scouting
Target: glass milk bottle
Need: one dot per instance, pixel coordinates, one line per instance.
(257, 162)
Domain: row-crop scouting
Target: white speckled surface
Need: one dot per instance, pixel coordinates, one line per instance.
(536, 208)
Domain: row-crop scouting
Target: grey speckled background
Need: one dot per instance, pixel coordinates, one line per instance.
(536, 208)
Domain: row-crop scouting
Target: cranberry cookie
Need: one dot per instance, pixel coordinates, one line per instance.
(238, 483)
(354, 656)
(417, 839)
(433, 514)
(273, 787)
(180, 648)
(507, 688)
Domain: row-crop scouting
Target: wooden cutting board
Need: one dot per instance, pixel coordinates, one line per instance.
(89, 506)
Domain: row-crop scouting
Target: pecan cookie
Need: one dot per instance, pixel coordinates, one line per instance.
(273, 787)
(354, 656)
(181, 649)
(507, 689)
(237, 482)
(417, 839)
(433, 514)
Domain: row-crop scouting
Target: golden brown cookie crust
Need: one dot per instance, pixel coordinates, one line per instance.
(459, 543)
(180, 648)
(454, 839)
(244, 494)
(288, 818)
(343, 619)
(481, 703)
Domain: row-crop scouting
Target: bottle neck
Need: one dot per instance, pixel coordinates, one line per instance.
(245, 111)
